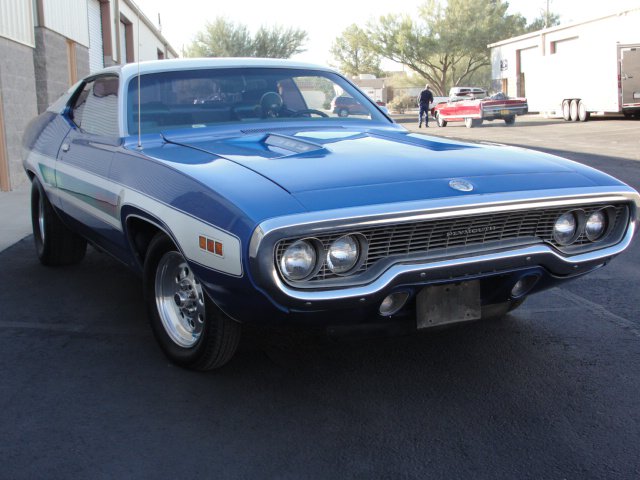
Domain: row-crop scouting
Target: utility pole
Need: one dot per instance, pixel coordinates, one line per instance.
(546, 17)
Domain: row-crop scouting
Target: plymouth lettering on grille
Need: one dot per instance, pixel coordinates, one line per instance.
(472, 231)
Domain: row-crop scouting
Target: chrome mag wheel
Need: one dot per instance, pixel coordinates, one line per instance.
(180, 300)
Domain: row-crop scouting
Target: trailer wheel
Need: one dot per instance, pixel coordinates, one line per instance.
(583, 115)
(566, 110)
(574, 110)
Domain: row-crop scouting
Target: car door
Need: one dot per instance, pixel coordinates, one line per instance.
(450, 108)
(84, 160)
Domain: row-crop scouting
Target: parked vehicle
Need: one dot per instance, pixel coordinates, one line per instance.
(345, 105)
(472, 106)
(238, 199)
(575, 70)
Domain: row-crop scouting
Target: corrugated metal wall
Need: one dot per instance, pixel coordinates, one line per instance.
(68, 18)
(16, 21)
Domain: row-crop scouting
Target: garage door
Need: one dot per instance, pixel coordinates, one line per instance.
(96, 55)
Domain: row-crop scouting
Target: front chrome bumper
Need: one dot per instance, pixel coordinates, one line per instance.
(425, 271)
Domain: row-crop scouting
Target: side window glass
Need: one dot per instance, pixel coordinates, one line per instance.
(96, 108)
(77, 109)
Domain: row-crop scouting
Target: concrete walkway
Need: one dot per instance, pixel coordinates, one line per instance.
(15, 216)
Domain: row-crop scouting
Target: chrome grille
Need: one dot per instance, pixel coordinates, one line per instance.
(438, 236)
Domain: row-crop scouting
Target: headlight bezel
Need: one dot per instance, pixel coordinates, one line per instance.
(606, 213)
(361, 249)
(315, 246)
(578, 220)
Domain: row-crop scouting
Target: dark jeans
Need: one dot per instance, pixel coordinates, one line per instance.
(424, 110)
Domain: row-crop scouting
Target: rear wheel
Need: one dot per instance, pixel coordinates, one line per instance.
(573, 110)
(191, 330)
(440, 121)
(343, 112)
(510, 120)
(583, 114)
(566, 110)
(55, 243)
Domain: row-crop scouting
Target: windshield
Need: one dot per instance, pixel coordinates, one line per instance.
(206, 97)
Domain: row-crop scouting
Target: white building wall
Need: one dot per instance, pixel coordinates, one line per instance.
(149, 42)
(68, 18)
(16, 21)
(584, 65)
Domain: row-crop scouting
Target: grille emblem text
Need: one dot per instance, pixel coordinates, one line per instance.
(472, 231)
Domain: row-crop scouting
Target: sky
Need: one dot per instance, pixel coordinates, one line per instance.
(324, 20)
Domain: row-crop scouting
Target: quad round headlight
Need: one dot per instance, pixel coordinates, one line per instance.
(343, 254)
(596, 225)
(564, 230)
(299, 260)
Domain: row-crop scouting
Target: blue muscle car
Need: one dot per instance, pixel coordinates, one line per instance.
(239, 195)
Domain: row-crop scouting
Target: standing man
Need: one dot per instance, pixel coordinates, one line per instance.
(424, 99)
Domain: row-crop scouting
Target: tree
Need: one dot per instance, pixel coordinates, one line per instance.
(446, 45)
(278, 42)
(353, 53)
(224, 38)
(545, 20)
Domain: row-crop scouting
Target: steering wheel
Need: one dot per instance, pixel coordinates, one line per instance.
(270, 103)
(309, 111)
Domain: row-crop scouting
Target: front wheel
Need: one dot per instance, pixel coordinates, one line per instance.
(343, 112)
(440, 121)
(55, 243)
(191, 330)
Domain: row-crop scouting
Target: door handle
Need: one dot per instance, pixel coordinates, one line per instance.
(65, 147)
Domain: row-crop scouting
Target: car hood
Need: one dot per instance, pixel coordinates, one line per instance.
(333, 168)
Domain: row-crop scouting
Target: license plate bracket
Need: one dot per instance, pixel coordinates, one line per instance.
(449, 303)
(505, 112)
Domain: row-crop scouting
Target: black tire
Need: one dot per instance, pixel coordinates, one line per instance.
(510, 120)
(55, 244)
(209, 337)
(439, 121)
(343, 112)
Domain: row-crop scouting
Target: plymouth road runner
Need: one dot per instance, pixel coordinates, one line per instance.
(239, 195)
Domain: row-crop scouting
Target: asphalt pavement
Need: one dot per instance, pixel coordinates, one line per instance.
(549, 392)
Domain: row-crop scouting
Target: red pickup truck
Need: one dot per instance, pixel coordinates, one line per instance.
(473, 106)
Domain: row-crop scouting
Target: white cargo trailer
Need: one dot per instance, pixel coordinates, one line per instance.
(574, 70)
